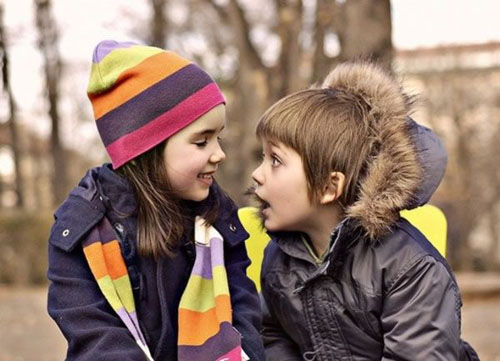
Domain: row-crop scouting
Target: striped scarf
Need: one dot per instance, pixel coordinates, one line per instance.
(205, 314)
(103, 254)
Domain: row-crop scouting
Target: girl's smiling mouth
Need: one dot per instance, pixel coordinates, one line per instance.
(206, 178)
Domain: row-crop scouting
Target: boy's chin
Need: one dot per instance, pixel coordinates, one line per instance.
(270, 226)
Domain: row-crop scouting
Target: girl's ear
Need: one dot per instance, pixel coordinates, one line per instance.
(333, 188)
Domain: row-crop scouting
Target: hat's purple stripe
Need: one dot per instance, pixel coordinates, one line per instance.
(107, 46)
(156, 131)
(218, 345)
(151, 103)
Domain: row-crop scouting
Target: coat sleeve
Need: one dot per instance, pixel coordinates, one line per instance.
(421, 314)
(433, 158)
(89, 324)
(278, 345)
(247, 317)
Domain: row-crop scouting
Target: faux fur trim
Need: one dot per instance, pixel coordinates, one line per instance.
(394, 172)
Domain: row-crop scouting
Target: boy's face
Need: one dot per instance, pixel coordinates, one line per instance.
(193, 154)
(281, 185)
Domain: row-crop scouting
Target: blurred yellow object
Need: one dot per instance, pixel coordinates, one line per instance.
(429, 220)
(255, 243)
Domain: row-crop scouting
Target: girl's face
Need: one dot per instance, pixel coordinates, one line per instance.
(282, 187)
(193, 154)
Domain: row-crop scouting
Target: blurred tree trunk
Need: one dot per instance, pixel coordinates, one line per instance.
(12, 119)
(289, 29)
(250, 95)
(159, 25)
(493, 207)
(37, 160)
(462, 253)
(326, 12)
(364, 30)
(492, 261)
(461, 211)
(48, 45)
(456, 101)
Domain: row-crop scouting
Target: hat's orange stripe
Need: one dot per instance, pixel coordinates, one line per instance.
(142, 76)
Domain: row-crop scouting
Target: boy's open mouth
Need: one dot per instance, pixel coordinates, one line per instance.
(262, 204)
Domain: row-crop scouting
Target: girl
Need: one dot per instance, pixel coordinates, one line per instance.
(344, 277)
(146, 256)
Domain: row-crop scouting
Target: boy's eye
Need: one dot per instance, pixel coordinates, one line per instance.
(275, 161)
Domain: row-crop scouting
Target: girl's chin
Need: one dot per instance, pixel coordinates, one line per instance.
(195, 196)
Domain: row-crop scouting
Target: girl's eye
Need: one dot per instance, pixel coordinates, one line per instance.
(221, 141)
(201, 143)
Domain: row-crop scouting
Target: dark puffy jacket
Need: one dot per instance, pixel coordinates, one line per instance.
(93, 330)
(383, 291)
(394, 300)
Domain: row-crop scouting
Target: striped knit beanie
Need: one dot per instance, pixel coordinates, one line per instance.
(141, 95)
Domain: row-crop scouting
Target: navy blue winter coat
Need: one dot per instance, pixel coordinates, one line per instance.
(93, 330)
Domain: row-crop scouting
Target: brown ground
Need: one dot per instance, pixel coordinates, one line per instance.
(28, 334)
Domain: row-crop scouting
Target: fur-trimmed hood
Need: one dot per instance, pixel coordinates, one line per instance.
(394, 172)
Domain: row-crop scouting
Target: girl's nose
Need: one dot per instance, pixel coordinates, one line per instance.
(218, 155)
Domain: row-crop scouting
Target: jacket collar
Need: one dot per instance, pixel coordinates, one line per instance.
(344, 235)
(116, 192)
(291, 244)
(102, 189)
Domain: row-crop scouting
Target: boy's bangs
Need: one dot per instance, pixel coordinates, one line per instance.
(276, 129)
(283, 122)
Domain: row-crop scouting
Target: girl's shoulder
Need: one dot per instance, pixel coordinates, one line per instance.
(78, 214)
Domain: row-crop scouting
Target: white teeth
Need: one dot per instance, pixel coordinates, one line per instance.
(205, 176)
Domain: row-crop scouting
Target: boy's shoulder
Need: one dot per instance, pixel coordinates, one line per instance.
(407, 241)
(406, 250)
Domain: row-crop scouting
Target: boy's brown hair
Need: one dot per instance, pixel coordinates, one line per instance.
(342, 126)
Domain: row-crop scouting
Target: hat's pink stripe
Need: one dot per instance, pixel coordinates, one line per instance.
(130, 145)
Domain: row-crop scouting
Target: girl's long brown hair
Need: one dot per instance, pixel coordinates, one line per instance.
(162, 217)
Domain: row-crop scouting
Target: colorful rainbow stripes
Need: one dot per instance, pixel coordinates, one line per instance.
(205, 314)
(105, 260)
(141, 95)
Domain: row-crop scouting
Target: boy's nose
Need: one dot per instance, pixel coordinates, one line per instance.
(257, 175)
